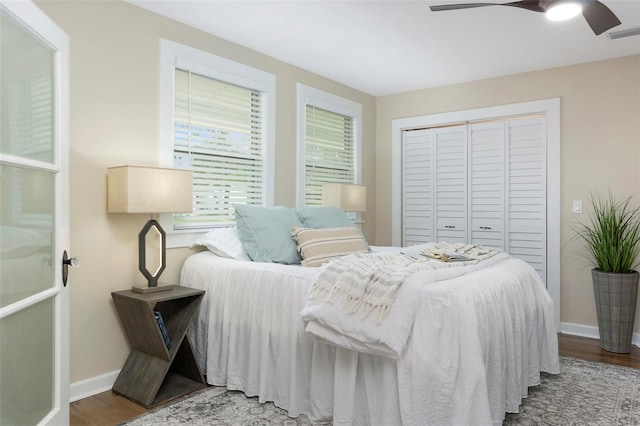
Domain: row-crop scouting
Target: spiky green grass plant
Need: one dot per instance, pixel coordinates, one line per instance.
(613, 236)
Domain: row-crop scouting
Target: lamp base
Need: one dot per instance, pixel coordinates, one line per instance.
(155, 289)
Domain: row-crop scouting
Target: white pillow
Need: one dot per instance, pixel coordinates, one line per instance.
(224, 242)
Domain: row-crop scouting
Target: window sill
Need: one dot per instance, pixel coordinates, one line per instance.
(182, 239)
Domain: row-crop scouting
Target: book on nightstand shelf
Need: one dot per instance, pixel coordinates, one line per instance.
(163, 329)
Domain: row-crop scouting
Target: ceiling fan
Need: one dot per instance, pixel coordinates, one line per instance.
(599, 17)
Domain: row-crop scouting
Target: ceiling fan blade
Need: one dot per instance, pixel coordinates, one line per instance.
(442, 7)
(533, 5)
(599, 17)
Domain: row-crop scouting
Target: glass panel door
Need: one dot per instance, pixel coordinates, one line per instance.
(26, 233)
(34, 204)
(27, 92)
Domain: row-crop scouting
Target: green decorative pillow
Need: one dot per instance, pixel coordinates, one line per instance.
(265, 233)
(323, 217)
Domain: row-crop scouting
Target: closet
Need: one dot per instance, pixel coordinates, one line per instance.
(479, 182)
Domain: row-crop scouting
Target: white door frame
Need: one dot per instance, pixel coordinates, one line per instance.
(36, 21)
(549, 107)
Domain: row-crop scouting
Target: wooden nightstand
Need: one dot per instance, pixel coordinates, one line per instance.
(153, 373)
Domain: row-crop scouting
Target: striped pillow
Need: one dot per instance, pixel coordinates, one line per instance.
(318, 246)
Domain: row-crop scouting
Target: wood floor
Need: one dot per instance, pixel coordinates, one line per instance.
(107, 408)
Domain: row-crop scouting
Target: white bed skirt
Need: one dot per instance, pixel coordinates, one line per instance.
(476, 346)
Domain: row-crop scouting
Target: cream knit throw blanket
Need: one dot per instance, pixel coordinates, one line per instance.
(370, 281)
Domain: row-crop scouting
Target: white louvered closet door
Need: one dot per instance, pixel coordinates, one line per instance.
(417, 180)
(490, 190)
(451, 183)
(527, 191)
(487, 183)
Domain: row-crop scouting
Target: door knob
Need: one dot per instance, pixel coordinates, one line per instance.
(66, 262)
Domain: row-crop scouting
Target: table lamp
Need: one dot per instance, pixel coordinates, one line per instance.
(151, 190)
(349, 197)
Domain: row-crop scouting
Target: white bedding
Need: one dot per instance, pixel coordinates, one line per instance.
(478, 342)
(331, 317)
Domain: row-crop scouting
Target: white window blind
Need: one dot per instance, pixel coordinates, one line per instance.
(218, 133)
(329, 151)
(31, 117)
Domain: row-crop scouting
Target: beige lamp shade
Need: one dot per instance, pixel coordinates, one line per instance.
(349, 197)
(133, 189)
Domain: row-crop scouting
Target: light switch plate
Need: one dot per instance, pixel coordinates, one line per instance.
(577, 207)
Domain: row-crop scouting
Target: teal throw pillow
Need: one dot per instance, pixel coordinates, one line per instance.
(265, 233)
(323, 217)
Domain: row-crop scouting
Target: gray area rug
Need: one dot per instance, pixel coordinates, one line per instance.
(219, 406)
(585, 393)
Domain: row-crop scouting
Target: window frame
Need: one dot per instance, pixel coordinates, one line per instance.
(307, 95)
(174, 55)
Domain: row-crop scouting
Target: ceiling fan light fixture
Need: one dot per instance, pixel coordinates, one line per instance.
(563, 10)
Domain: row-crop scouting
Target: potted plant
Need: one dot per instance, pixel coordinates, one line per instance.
(613, 241)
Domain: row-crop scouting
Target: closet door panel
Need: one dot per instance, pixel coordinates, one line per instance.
(486, 183)
(417, 187)
(481, 183)
(451, 183)
(526, 192)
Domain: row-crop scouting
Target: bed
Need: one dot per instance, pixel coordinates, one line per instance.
(476, 342)
(25, 266)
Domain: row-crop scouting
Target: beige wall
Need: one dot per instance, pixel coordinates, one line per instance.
(114, 121)
(600, 146)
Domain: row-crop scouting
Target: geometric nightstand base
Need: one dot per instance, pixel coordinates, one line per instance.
(153, 373)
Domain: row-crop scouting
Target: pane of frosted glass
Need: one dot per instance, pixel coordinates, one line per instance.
(26, 365)
(26, 80)
(26, 240)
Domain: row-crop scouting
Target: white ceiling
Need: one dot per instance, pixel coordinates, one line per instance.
(388, 47)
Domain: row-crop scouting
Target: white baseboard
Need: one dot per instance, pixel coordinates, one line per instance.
(95, 385)
(92, 386)
(590, 331)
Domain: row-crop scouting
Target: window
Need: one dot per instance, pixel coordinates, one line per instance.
(31, 117)
(329, 129)
(30, 124)
(218, 135)
(217, 119)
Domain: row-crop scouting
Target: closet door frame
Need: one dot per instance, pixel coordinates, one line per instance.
(551, 109)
